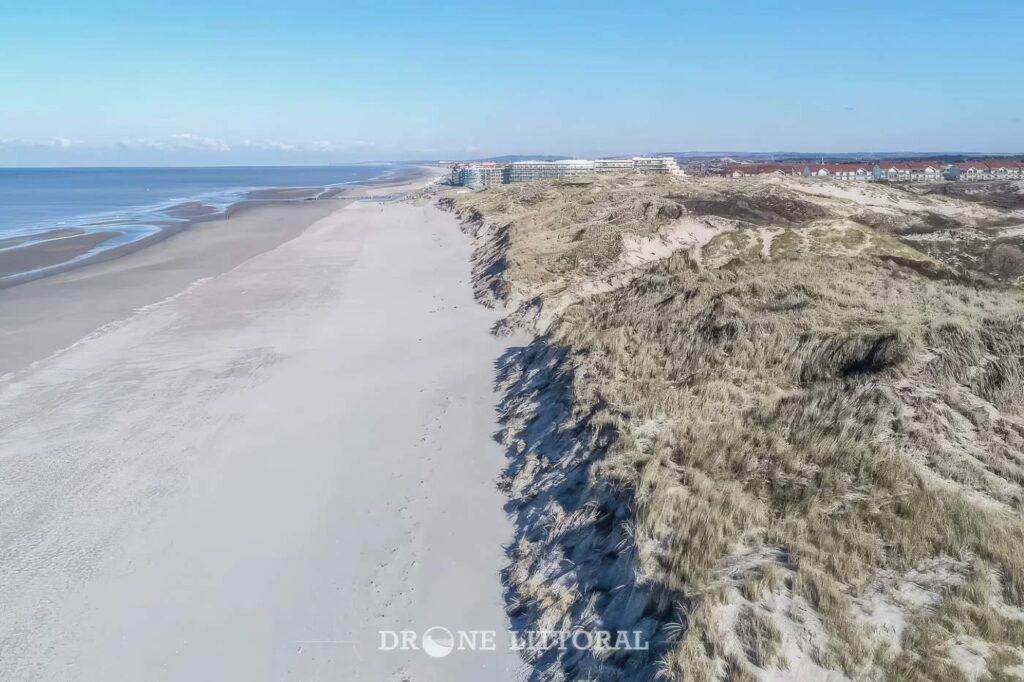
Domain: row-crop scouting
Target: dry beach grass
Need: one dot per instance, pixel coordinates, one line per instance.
(761, 425)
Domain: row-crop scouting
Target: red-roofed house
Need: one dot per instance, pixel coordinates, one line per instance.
(988, 169)
(974, 170)
(839, 171)
(915, 171)
(1006, 170)
(738, 170)
(912, 172)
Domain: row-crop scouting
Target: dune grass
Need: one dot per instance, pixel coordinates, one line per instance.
(802, 457)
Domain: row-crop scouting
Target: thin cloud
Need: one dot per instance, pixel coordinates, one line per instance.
(329, 146)
(142, 143)
(50, 143)
(193, 141)
(193, 145)
(270, 145)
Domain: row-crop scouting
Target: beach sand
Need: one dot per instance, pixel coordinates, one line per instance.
(49, 314)
(45, 315)
(251, 477)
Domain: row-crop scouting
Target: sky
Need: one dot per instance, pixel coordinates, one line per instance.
(224, 82)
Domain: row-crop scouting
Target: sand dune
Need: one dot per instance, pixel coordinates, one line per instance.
(788, 448)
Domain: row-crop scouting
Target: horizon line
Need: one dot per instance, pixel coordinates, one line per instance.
(370, 162)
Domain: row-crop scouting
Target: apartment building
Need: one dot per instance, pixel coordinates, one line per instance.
(486, 174)
(479, 175)
(613, 165)
(523, 171)
(655, 164)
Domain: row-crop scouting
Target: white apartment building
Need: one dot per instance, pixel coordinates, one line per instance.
(479, 175)
(613, 165)
(655, 164)
(486, 174)
(522, 171)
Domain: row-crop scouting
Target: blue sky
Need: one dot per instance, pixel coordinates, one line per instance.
(292, 82)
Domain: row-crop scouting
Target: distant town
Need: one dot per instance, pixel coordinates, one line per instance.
(912, 171)
(486, 173)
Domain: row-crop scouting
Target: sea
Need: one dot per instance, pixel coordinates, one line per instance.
(138, 202)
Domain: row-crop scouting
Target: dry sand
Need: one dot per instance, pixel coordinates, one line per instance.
(250, 478)
(45, 315)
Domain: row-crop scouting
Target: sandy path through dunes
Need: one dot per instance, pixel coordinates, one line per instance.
(250, 479)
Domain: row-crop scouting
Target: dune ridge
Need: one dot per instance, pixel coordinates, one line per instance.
(774, 424)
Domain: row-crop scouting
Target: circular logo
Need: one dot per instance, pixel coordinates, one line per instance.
(438, 642)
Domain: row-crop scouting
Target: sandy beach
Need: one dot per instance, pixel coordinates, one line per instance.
(257, 462)
(104, 215)
(45, 315)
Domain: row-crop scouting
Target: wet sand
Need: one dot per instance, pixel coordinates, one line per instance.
(251, 477)
(54, 249)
